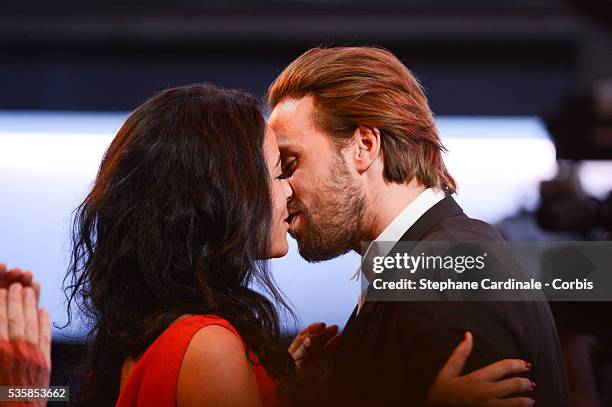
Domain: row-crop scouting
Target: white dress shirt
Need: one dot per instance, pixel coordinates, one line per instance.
(398, 226)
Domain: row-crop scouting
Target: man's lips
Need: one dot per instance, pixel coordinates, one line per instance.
(291, 218)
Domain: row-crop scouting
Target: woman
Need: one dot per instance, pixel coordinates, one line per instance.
(189, 196)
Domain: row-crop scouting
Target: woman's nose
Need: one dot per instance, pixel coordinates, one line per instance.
(288, 189)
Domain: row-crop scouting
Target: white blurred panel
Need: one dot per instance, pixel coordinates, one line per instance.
(48, 162)
(596, 178)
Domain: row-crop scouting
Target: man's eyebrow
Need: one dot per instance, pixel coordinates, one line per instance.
(288, 146)
(283, 141)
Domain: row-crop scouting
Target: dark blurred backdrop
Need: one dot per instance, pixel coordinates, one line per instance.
(475, 57)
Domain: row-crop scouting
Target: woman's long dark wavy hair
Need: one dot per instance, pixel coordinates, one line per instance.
(176, 221)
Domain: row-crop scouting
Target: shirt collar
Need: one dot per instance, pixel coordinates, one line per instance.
(398, 226)
(410, 214)
(405, 219)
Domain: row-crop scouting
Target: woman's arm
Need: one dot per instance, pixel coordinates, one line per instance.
(216, 372)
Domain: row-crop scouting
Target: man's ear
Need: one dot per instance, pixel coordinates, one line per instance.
(366, 147)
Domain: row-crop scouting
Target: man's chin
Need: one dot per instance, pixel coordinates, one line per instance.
(313, 248)
(318, 254)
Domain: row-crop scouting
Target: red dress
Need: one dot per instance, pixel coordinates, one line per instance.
(153, 380)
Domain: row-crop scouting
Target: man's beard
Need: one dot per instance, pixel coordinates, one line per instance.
(335, 222)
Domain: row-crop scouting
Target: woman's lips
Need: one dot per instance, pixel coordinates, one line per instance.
(287, 220)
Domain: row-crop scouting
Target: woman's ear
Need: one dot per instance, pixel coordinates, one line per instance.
(366, 147)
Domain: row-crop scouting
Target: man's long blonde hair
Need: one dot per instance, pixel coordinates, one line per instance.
(369, 86)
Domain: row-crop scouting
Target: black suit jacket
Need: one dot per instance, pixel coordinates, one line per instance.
(390, 353)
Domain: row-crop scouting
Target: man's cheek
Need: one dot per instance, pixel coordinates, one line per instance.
(304, 193)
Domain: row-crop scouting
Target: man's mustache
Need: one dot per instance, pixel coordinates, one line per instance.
(295, 207)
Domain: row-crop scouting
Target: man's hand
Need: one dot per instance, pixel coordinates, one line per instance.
(25, 340)
(314, 345)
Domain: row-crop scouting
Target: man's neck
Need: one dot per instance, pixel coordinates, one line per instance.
(387, 202)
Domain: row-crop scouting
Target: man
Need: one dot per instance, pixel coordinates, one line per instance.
(362, 154)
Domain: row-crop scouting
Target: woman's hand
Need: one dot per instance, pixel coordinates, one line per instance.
(483, 387)
(313, 346)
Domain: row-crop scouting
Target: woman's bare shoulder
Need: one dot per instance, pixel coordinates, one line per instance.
(216, 371)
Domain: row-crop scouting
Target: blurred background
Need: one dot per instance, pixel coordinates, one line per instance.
(522, 91)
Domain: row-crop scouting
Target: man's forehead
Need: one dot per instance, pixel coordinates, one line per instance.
(295, 130)
(288, 105)
(289, 122)
(291, 109)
